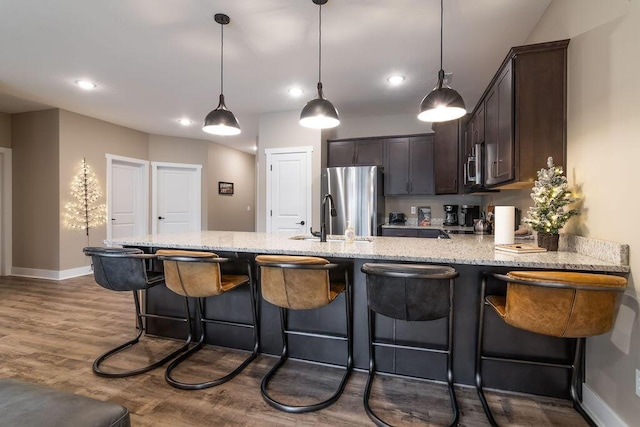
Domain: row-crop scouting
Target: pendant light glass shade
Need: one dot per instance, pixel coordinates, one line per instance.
(319, 113)
(442, 103)
(221, 121)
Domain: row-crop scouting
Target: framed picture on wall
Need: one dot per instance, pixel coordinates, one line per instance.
(225, 187)
(424, 215)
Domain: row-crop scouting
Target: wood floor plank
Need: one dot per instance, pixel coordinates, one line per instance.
(50, 333)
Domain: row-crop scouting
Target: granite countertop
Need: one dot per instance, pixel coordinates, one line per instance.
(460, 249)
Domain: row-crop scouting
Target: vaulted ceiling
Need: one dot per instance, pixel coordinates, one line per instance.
(158, 61)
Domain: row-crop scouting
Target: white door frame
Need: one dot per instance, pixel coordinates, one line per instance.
(142, 213)
(269, 152)
(6, 235)
(154, 190)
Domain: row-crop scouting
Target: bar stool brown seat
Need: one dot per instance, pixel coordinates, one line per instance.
(303, 283)
(198, 275)
(125, 269)
(412, 293)
(554, 303)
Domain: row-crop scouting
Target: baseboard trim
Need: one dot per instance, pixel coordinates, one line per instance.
(37, 273)
(598, 410)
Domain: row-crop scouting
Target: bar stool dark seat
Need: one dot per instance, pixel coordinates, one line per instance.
(409, 292)
(558, 304)
(124, 269)
(303, 283)
(198, 275)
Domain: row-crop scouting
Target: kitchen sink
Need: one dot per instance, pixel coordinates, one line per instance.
(333, 239)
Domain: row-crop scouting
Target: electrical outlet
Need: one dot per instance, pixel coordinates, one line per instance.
(638, 382)
(413, 210)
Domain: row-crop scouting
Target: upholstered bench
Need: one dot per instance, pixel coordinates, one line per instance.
(30, 405)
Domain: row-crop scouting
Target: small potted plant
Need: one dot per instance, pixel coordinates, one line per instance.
(548, 215)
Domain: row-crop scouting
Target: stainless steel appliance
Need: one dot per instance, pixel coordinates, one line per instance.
(358, 193)
(397, 218)
(450, 215)
(468, 213)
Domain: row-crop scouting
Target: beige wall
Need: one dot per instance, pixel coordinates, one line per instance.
(5, 130)
(229, 212)
(89, 138)
(183, 150)
(603, 148)
(279, 130)
(36, 202)
(394, 124)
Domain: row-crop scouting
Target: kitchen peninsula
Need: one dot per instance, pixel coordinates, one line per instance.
(468, 254)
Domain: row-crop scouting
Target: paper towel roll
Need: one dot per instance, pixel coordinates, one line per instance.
(504, 225)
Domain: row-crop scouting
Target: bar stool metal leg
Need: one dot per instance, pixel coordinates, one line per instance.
(140, 327)
(285, 354)
(479, 338)
(203, 322)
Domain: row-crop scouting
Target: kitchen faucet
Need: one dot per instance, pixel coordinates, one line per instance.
(323, 217)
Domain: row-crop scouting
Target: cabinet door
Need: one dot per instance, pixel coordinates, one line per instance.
(400, 232)
(499, 165)
(369, 153)
(396, 167)
(340, 153)
(478, 126)
(421, 165)
(445, 157)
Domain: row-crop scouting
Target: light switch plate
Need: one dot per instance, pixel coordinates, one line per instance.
(638, 382)
(413, 210)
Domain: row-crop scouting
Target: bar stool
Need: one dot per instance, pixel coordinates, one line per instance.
(557, 304)
(302, 283)
(124, 269)
(409, 292)
(198, 275)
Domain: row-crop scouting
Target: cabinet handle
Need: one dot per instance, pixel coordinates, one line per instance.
(455, 183)
(494, 165)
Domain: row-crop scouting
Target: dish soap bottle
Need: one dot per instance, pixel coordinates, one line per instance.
(349, 233)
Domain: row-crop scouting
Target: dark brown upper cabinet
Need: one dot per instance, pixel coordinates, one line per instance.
(408, 167)
(445, 157)
(524, 111)
(355, 152)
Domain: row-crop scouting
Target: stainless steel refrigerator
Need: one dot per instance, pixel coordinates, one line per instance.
(358, 193)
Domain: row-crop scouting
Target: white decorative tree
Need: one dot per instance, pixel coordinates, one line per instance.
(550, 195)
(84, 213)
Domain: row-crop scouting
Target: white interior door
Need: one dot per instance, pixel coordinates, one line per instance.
(5, 212)
(127, 197)
(289, 190)
(176, 197)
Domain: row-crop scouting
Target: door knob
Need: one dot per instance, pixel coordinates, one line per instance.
(160, 217)
(113, 219)
(300, 223)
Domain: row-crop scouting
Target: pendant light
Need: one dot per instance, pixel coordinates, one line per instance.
(319, 113)
(221, 121)
(442, 103)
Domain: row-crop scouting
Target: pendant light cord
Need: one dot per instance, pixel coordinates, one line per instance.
(441, 72)
(320, 43)
(221, 59)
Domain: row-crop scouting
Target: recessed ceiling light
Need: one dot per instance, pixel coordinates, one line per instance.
(395, 80)
(295, 91)
(185, 122)
(86, 84)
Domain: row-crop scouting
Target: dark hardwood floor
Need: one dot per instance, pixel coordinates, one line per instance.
(50, 333)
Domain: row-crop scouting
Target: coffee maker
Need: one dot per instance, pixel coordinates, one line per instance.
(468, 213)
(450, 215)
